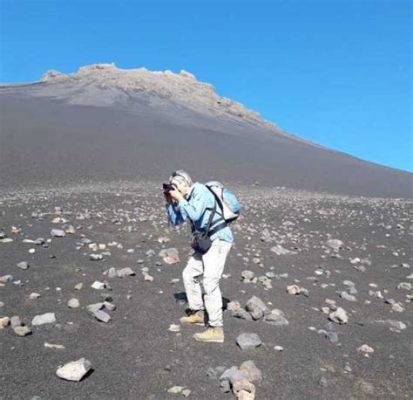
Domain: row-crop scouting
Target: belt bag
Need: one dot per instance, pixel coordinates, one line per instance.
(201, 241)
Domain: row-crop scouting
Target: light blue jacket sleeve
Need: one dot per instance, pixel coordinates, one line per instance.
(174, 214)
(195, 207)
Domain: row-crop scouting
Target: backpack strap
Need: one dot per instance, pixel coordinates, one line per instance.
(208, 231)
(217, 228)
(217, 200)
(208, 227)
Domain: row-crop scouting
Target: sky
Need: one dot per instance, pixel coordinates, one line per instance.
(335, 72)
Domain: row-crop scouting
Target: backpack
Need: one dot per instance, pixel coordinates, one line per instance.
(226, 200)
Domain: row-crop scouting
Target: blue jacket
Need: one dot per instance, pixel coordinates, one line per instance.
(199, 199)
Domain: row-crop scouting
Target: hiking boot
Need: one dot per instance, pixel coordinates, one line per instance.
(213, 334)
(196, 318)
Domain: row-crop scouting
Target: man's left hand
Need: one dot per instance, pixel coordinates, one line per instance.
(176, 194)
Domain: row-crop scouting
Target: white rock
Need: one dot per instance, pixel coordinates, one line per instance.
(57, 233)
(74, 370)
(98, 285)
(73, 303)
(47, 318)
(174, 328)
(176, 389)
(339, 316)
(53, 346)
(366, 349)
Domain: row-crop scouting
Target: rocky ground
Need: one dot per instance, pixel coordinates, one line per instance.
(318, 292)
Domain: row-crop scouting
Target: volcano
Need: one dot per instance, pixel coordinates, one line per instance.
(103, 123)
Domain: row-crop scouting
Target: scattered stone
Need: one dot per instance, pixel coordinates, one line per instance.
(293, 289)
(248, 341)
(244, 390)
(102, 316)
(22, 330)
(23, 265)
(230, 375)
(335, 244)
(70, 229)
(397, 307)
(170, 256)
(73, 303)
(4, 321)
(174, 328)
(278, 348)
(57, 233)
(250, 371)
(276, 317)
(47, 318)
(54, 346)
(404, 286)
(247, 276)
(98, 285)
(256, 307)
(95, 257)
(339, 316)
(121, 273)
(74, 370)
(147, 277)
(34, 296)
(365, 349)
(393, 324)
(241, 314)
(280, 251)
(176, 389)
(348, 297)
(233, 305)
(92, 308)
(6, 278)
(15, 321)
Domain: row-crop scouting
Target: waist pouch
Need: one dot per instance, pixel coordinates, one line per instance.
(201, 243)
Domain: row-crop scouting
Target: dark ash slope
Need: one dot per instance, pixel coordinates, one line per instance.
(80, 129)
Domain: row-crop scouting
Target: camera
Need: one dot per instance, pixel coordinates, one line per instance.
(167, 187)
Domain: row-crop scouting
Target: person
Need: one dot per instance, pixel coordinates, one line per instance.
(194, 202)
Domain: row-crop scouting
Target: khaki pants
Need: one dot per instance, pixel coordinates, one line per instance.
(210, 267)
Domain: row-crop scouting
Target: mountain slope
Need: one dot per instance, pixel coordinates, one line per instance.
(104, 123)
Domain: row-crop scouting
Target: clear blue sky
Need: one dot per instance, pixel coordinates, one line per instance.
(337, 72)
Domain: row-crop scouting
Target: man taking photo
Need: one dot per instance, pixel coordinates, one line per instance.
(213, 240)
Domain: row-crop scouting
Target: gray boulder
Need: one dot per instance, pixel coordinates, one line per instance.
(248, 341)
(256, 307)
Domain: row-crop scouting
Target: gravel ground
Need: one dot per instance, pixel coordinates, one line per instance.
(135, 356)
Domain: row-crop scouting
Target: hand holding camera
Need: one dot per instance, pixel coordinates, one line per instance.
(171, 192)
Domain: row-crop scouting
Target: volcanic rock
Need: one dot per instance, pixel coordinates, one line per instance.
(74, 370)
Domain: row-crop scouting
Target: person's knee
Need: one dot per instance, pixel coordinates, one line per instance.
(210, 284)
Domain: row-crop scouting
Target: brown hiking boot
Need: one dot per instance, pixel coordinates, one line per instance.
(196, 318)
(213, 334)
